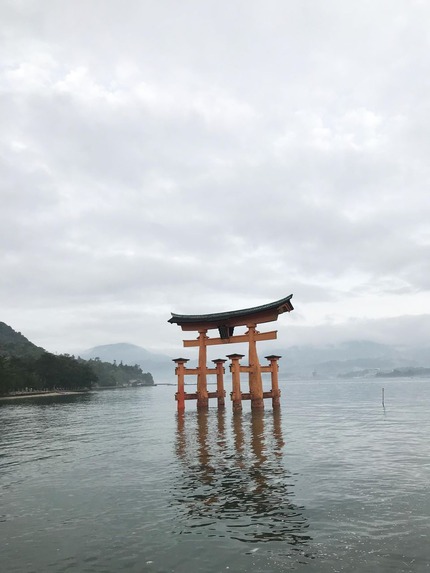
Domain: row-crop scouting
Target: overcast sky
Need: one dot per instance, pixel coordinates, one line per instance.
(202, 156)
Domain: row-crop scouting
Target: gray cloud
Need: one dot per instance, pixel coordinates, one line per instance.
(206, 156)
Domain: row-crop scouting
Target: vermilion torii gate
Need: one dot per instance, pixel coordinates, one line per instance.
(225, 323)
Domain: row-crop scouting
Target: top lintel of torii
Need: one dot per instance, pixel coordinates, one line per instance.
(226, 321)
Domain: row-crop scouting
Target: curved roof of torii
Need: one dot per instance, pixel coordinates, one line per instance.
(257, 314)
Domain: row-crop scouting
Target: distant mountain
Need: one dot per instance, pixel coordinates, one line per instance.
(13, 343)
(160, 365)
(346, 357)
(23, 366)
(319, 360)
(122, 351)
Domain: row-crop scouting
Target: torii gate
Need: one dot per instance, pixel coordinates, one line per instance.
(225, 322)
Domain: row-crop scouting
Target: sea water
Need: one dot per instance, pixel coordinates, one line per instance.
(115, 481)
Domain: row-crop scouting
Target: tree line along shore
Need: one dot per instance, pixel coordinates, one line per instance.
(28, 369)
(50, 372)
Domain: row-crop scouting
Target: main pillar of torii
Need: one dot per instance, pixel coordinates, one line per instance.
(225, 323)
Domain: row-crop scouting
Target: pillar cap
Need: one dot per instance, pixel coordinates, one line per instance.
(219, 360)
(183, 360)
(273, 357)
(234, 356)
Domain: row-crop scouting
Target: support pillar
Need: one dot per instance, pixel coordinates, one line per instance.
(202, 389)
(236, 395)
(255, 380)
(180, 372)
(219, 363)
(274, 368)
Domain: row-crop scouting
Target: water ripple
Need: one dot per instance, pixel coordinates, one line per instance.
(240, 488)
(115, 482)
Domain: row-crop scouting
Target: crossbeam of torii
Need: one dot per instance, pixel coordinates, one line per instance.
(225, 323)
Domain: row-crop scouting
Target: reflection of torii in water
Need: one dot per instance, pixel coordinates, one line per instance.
(234, 489)
(225, 323)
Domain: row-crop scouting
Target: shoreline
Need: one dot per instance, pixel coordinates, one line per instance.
(41, 394)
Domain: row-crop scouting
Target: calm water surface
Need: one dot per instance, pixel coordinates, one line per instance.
(115, 481)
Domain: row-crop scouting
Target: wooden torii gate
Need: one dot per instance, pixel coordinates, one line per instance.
(225, 323)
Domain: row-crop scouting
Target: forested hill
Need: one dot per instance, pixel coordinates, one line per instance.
(26, 367)
(15, 344)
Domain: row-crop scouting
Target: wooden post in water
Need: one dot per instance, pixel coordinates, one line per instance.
(202, 389)
(383, 397)
(255, 381)
(274, 368)
(180, 372)
(236, 395)
(219, 363)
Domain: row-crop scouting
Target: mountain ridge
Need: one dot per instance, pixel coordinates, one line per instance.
(307, 360)
(25, 367)
(14, 343)
(327, 360)
(121, 349)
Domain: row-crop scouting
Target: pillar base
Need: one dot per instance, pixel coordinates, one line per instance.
(221, 403)
(202, 403)
(180, 398)
(237, 406)
(257, 404)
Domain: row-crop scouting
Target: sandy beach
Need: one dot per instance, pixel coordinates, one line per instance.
(39, 394)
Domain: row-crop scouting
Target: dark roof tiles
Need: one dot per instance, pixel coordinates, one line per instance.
(219, 318)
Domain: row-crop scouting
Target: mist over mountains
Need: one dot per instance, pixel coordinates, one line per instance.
(354, 357)
(322, 360)
(347, 357)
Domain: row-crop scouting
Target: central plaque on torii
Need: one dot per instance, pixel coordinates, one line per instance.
(225, 323)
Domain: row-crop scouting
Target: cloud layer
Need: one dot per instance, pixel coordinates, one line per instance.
(192, 157)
